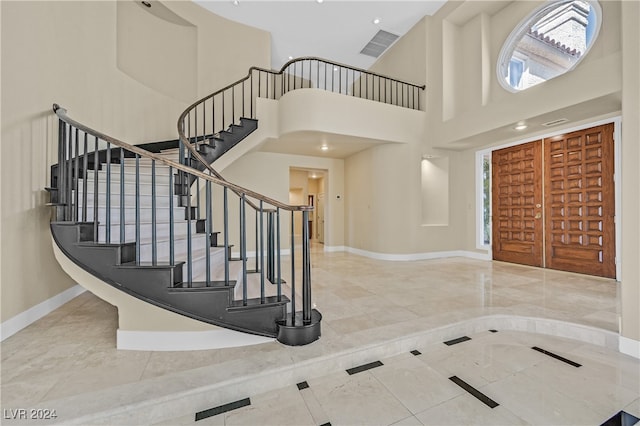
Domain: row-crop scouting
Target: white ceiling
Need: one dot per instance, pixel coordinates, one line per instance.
(334, 29)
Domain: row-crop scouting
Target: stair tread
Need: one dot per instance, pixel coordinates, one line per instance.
(202, 286)
(103, 245)
(255, 303)
(149, 265)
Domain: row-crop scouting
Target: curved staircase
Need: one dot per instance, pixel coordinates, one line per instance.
(141, 218)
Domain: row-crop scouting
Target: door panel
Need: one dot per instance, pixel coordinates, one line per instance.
(517, 204)
(579, 202)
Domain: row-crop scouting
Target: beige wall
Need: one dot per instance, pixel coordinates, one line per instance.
(630, 295)
(66, 52)
(379, 217)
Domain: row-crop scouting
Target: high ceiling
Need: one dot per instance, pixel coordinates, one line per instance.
(330, 29)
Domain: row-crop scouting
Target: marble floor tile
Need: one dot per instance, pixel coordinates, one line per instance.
(467, 410)
(281, 407)
(539, 403)
(359, 399)
(416, 385)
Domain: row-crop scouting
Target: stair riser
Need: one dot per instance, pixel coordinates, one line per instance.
(198, 271)
(180, 248)
(162, 231)
(147, 163)
(162, 215)
(198, 260)
(129, 188)
(130, 168)
(162, 178)
(162, 201)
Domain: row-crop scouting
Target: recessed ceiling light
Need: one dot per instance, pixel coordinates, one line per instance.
(236, 3)
(376, 21)
(520, 127)
(319, 1)
(290, 57)
(324, 148)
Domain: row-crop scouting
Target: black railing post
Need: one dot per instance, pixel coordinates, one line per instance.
(138, 256)
(85, 178)
(122, 218)
(171, 220)
(96, 163)
(76, 178)
(243, 246)
(226, 235)
(198, 211)
(108, 196)
(189, 252)
(279, 282)
(306, 270)
(204, 120)
(270, 247)
(154, 235)
(207, 225)
(59, 173)
(293, 270)
(69, 174)
(256, 242)
(261, 252)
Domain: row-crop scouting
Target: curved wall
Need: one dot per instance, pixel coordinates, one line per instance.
(158, 49)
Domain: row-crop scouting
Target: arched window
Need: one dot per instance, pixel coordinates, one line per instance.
(549, 42)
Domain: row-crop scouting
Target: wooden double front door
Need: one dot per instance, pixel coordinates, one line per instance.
(553, 203)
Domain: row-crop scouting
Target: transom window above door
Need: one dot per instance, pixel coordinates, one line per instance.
(548, 43)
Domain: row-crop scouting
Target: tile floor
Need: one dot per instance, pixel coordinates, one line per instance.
(529, 387)
(68, 358)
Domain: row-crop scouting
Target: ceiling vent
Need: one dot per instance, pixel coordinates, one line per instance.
(555, 122)
(379, 43)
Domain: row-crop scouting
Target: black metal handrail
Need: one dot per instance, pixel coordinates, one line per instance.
(83, 153)
(387, 90)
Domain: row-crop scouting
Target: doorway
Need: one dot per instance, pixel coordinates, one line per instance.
(553, 202)
(307, 187)
(320, 216)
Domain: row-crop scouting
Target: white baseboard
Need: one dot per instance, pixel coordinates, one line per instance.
(629, 347)
(414, 256)
(33, 314)
(331, 249)
(185, 340)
